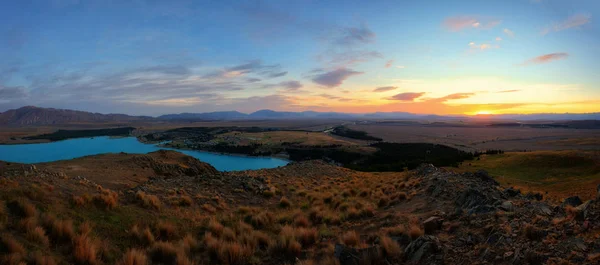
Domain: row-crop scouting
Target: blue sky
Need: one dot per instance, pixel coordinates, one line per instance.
(156, 57)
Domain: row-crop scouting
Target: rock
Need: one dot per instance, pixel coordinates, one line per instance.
(421, 248)
(508, 254)
(583, 211)
(573, 201)
(534, 196)
(433, 224)
(483, 175)
(473, 198)
(541, 208)
(512, 192)
(353, 256)
(507, 206)
(481, 209)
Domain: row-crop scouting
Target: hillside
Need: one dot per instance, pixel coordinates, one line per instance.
(177, 210)
(31, 115)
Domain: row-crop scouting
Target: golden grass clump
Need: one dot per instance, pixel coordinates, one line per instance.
(85, 251)
(163, 253)
(39, 259)
(38, 235)
(134, 257)
(148, 201)
(263, 240)
(215, 227)
(415, 231)
(284, 202)
(144, 236)
(27, 224)
(185, 200)
(301, 221)
(390, 247)
(60, 230)
(107, 199)
(234, 253)
(395, 231)
(166, 230)
(23, 208)
(189, 243)
(350, 238)
(262, 219)
(307, 236)
(12, 246)
(228, 234)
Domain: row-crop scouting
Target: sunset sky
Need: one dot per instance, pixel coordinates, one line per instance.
(434, 57)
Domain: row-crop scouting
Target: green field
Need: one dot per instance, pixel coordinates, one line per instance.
(560, 173)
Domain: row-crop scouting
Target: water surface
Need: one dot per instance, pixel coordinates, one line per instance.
(73, 148)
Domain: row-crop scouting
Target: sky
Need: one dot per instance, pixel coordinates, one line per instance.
(150, 57)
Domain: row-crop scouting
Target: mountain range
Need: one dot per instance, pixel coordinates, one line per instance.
(31, 115)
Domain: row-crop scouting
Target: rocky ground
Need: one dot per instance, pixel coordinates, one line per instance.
(181, 211)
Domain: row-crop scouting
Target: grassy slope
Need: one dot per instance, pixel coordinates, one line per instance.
(560, 173)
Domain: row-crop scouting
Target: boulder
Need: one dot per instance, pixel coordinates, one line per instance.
(422, 248)
(534, 196)
(512, 192)
(507, 206)
(583, 211)
(433, 224)
(573, 201)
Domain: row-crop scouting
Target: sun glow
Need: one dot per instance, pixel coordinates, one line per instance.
(483, 112)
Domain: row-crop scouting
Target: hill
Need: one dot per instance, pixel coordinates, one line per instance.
(31, 115)
(166, 208)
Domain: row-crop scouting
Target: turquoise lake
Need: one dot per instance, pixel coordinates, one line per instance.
(73, 148)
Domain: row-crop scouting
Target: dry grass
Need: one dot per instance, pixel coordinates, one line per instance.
(38, 235)
(215, 227)
(144, 236)
(40, 259)
(284, 202)
(390, 247)
(11, 245)
(351, 238)
(85, 251)
(60, 230)
(166, 230)
(163, 253)
(22, 208)
(415, 231)
(107, 199)
(148, 201)
(189, 243)
(134, 257)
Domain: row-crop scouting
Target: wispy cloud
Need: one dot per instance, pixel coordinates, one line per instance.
(509, 32)
(509, 91)
(459, 23)
(355, 35)
(546, 58)
(10, 93)
(254, 66)
(349, 58)
(385, 88)
(574, 21)
(454, 96)
(389, 63)
(334, 78)
(408, 96)
(483, 46)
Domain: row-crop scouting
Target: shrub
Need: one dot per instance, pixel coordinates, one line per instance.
(284, 202)
(234, 253)
(390, 247)
(262, 239)
(78, 200)
(134, 257)
(244, 210)
(228, 234)
(84, 250)
(307, 236)
(27, 224)
(38, 235)
(383, 201)
(143, 236)
(189, 243)
(396, 230)
(209, 208)
(263, 219)
(350, 238)
(268, 193)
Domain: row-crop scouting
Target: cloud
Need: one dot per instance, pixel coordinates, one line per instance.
(459, 23)
(293, 85)
(452, 97)
(483, 46)
(385, 88)
(546, 58)
(508, 32)
(171, 70)
(509, 91)
(355, 35)
(498, 39)
(389, 63)
(254, 66)
(349, 58)
(408, 96)
(328, 96)
(334, 78)
(574, 21)
(9, 93)
(400, 66)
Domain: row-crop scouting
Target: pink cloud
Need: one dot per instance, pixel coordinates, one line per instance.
(574, 21)
(546, 58)
(459, 23)
(408, 96)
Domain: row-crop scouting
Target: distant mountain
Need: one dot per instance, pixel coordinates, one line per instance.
(218, 115)
(546, 116)
(31, 115)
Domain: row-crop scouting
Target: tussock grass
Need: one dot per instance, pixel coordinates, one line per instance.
(134, 257)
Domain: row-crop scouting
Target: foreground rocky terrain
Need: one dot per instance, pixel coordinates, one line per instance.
(167, 208)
